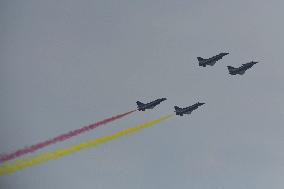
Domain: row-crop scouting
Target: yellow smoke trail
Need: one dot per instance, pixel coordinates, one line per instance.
(7, 168)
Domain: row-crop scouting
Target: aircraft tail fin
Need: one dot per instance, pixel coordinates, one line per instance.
(139, 103)
(200, 59)
(177, 108)
(231, 68)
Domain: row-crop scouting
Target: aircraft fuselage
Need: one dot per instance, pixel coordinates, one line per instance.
(149, 105)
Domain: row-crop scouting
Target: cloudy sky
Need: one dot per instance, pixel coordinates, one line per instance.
(66, 63)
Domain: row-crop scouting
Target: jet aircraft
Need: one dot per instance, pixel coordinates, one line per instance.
(210, 61)
(187, 110)
(242, 69)
(142, 107)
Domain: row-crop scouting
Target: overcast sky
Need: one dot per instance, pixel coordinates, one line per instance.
(66, 63)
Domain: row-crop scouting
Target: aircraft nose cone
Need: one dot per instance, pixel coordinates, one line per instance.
(201, 103)
(163, 99)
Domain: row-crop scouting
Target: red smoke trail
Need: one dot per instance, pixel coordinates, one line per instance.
(60, 138)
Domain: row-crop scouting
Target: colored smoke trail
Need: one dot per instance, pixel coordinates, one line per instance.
(60, 138)
(22, 164)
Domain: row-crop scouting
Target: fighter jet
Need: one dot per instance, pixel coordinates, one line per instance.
(242, 69)
(187, 110)
(210, 61)
(150, 105)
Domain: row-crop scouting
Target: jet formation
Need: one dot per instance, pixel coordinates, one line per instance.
(142, 107)
(242, 69)
(179, 111)
(210, 61)
(202, 62)
(187, 110)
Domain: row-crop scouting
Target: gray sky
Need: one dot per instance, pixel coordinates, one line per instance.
(67, 63)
